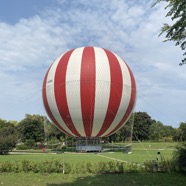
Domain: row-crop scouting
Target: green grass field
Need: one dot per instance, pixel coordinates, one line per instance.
(140, 153)
(145, 151)
(128, 179)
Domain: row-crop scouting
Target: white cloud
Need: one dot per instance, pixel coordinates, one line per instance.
(128, 28)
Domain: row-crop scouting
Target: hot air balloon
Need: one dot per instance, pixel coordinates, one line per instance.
(89, 92)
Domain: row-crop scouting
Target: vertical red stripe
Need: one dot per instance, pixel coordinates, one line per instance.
(60, 92)
(131, 103)
(115, 91)
(87, 88)
(47, 108)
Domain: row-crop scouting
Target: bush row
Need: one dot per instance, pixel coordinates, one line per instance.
(55, 166)
(164, 166)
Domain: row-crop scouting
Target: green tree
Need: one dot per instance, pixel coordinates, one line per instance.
(156, 131)
(177, 30)
(8, 137)
(31, 128)
(168, 133)
(180, 156)
(142, 122)
(4, 123)
(160, 132)
(177, 134)
(117, 137)
(54, 132)
(182, 127)
(124, 134)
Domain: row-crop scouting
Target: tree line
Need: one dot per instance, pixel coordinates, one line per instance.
(37, 130)
(144, 128)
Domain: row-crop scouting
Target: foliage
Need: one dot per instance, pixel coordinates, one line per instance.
(137, 126)
(30, 143)
(124, 134)
(4, 123)
(53, 132)
(34, 129)
(160, 132)
(8, 137)
(31, 128)
(176, 32)
(58, 166)
(180, 157)
(182, 128)
(55, 166)
(142, 123)
(168, 132)
(163, 166)
(7, 143)
(177, 135)
(156, 131)
(22, 147)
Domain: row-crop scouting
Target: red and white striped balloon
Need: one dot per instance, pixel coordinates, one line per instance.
(89, 92)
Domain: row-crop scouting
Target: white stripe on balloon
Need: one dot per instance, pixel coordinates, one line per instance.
(102, 89)
(51, 96)
(73, 89)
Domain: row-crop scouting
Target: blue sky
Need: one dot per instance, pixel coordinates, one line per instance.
(33, 33)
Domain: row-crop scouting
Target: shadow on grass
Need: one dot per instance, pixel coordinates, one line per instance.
(127, 179)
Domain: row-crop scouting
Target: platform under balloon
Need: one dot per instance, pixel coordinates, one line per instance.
(88, 145)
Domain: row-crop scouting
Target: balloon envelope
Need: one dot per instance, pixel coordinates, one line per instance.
(89, 92)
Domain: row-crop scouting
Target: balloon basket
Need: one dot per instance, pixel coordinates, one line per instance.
(88, 145)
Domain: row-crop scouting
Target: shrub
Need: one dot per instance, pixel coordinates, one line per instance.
(26, 166)
(54, 166)
(133, 167)
(8, 139)
(7, 143)
(22, 147)
(30, 143)
(38, 146)
(163, 166)
(90, 167)
(151, 166)
(6, 167)
(179, 157)
(64, 147)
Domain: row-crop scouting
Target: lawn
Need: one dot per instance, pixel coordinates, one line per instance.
(128, 179)
(137, 156)
(140, 153)
(150, 145)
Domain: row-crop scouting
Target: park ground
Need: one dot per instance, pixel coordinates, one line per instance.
(140, 153)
